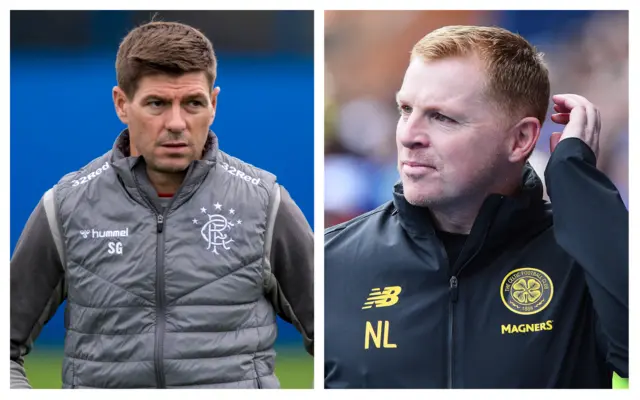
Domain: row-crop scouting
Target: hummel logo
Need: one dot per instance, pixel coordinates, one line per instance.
(104, 234)
(384, 298)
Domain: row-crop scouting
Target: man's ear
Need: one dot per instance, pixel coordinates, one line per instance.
(120, 103)
(214, 102)
(524, 138)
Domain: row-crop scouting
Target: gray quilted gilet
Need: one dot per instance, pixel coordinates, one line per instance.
(170, 299)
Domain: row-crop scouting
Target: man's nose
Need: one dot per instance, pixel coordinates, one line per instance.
(176, 121)
(414, 132)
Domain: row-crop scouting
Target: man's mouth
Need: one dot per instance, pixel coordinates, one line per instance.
(417, 164)
(416, 168)
(174, 144)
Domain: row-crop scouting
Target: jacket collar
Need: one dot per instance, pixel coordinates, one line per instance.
(132, 171)
(500, 219)
(125, 164)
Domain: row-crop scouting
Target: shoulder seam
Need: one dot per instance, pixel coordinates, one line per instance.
(67, 181)
(54, 226)
(343, 225)
(272, 213)
(261, 173)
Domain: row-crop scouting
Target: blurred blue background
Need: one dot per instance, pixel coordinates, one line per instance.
(586, 52)
(62, 114)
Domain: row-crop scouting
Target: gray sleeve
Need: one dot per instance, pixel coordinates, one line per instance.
(290, 281)
(37, 287)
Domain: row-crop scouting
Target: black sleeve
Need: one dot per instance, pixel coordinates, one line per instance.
(291, 259)
(37, 288)
(591, 224)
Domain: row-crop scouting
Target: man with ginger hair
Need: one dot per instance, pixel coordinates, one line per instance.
(173, 256)
(468, 278)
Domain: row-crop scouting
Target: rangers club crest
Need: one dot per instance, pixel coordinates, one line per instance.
(216, 228)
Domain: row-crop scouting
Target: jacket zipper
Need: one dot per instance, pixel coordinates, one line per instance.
(160, 300)
(453, 298)
(160, 292)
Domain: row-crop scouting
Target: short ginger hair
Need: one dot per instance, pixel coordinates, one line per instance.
(517, 78)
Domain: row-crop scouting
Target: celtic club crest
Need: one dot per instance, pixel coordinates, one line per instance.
(216, 227)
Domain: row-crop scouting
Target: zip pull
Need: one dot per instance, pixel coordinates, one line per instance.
(453, 288)
(160, 223)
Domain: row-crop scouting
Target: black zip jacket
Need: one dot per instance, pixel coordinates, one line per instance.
(535, 299)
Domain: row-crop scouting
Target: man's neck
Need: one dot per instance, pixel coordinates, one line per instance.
(165, 183)
(460, 217)
(458, 221)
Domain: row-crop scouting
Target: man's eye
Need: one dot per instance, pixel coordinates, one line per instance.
(196, 103)
(442, 118)
(155, 103)
(405, 109)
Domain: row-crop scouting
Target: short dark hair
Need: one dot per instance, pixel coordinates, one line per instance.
(163, 48)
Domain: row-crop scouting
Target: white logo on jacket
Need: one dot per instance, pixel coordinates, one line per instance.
(92, 175)
(216, 226)
(113, 247)
(104, 234)
(236, 172)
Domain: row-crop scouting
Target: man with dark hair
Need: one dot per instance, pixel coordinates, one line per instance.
(468, 278)
(173, 256)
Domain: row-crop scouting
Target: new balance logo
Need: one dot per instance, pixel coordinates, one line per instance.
(384, 298)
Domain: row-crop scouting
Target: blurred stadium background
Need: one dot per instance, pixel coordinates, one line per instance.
(62, 117)
(366, 55)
